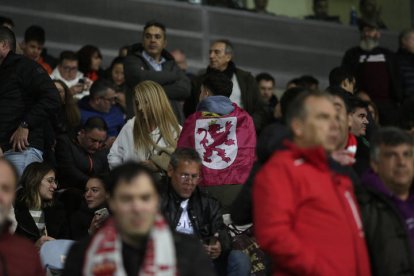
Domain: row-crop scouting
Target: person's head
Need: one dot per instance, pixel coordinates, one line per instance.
(154, 39)
(221, 53)
(342, 77)
(309, 82)
(216, 84)
(373, 110)
(90, 58)
(7, 42)
(287, 98)
(68, 65)
(63, 89)
(368, 8)
(370, 34)
(313, 121)
(320, 8)
(260, 5)
(180, 59)
(341, 100)
(266, 85)
(392, 158)
(123, 51)
(102, 95)
(8, 183)
(133, 200)
(406, 40)
(296, 82)
(358, 117)
(152, 110)
(117, 71)
(93, 134)
(34, 40)
(363, 95)
(6, 22)
(184, 171)
(96, 193)
(39, 183)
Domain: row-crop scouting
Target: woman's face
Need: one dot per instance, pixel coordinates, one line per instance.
(61, 91)
(48, 186)
(118, 74)
(95, 194)
(95, 62)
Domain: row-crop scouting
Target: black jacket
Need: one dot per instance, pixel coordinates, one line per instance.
(386, 234)
(250, 98)
(55, 220)
(191, 259)
(75, 165)
(27, 94)
(406, 64)
(80, 221)
(176, 84)
(204, 212)
(351, 61)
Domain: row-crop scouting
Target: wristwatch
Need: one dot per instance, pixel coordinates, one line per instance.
(24, 124)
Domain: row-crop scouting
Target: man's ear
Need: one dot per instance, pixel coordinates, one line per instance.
(170, 171)
(297, 127)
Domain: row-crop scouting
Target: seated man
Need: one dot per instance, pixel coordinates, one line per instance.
(102, 103)
(18, 255)
(224, 136)
(82, 156)
(67, 71)
(191, 211)
(387, 203)
(137, 241)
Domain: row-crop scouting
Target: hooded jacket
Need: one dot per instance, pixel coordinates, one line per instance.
(305, 215)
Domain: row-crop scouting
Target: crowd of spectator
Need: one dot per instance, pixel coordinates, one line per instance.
(145, 168)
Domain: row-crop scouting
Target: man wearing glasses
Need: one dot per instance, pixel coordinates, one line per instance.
(191, 211)
(102, 103)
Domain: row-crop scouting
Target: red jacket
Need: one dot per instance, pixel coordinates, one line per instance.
(306, 217)
(18, 256)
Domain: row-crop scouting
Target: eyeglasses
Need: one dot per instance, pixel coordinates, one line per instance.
(69, 68)
(51, 181)
(195, 178)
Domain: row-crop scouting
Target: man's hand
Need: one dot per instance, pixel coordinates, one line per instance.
(42, 240)
(343, 157)
(215, 250)
(19, 139)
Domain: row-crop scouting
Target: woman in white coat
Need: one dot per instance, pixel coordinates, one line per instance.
(153, 128)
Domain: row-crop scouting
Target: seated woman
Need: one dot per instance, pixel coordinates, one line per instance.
(91, 215)
(39, 216)
(153, 128)
(115, 74)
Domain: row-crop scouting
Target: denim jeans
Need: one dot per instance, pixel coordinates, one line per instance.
(21, 159)
(238, 264)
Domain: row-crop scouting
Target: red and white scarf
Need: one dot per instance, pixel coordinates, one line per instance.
(104, 254)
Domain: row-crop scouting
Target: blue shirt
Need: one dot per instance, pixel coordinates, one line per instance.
(157, 66)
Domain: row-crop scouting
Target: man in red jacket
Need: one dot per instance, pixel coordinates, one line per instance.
(305, 213)
(17, 255)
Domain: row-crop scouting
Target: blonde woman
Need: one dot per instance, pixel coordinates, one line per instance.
(154, 127)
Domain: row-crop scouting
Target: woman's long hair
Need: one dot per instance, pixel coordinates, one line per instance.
(85, 57)
(153, 109)
(31, 180)
(70, 107)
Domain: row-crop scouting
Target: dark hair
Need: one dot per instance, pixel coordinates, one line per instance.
(117, 60)
(389, 136)
(102, 178)
(184, 154)
(308, 81)
(266, 77)
(403, 34)
(125, 173)
(85, 57)
(154, 23)
(35, 33)
(6, 20)
(70, 107)
(297, 108)
(341, 93)
(288, 97)
(68, 55)
(338, 75)
(100, 87)
(12, 168)
(218, 83)
(229, 48)
(8, 36)
(95, 123)
(356, 102)
(297, 81)
(31, 180)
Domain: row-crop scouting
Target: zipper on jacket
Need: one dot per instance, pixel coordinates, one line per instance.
(355, 212)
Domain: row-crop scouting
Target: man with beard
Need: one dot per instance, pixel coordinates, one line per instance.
(376, 71)
(17, 255)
